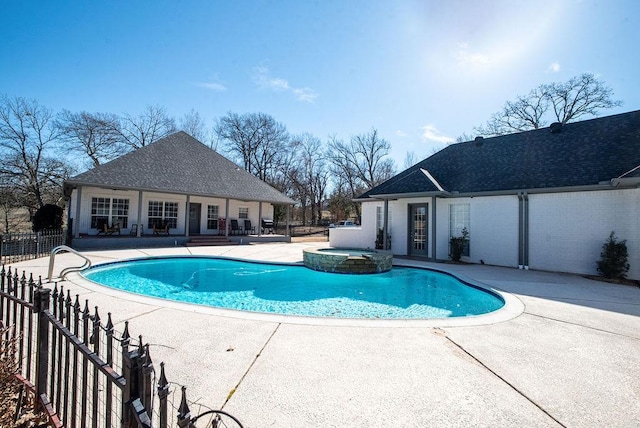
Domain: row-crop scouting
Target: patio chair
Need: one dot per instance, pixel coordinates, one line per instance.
(111, 230)
(162, 229)
(235, 229)
(248, 229)
(267, 226)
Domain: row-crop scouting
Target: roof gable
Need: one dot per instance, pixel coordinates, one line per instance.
(180, 164)
(581, 154)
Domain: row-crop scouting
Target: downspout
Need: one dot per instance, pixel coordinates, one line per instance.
(523, 230)
(520, 232)
(259, 219)
(385, 224)
(525, 198)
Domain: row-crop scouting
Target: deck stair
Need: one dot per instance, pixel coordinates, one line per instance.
(209, 240)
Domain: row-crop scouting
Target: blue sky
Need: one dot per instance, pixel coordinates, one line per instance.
(420, 72)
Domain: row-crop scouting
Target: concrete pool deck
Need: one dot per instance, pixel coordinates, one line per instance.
(570, 358)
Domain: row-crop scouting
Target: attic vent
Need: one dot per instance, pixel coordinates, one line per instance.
(555, 127)
(478, 140)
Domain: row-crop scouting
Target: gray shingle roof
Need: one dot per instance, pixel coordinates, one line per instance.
(581, 154)
(180, 164)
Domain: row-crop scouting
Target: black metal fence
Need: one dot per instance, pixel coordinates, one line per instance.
(16, 247)
(83, 372)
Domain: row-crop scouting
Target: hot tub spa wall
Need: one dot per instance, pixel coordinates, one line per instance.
(343, 263)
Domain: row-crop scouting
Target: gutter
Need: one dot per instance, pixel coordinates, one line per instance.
(75, 184)
(605, 185)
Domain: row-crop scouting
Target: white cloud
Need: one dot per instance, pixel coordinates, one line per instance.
(466, 57)
(262, 77)
(402, 134)
(554, 67)
(305, 94)
(431, 133)
(214, 86)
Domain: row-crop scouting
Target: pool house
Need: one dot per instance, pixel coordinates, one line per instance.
(175, 187)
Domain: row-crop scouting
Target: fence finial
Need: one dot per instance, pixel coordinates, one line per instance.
(184, 414)
(162, 382)
(109, 326)
(126, 337)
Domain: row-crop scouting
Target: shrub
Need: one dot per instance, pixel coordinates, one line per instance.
(49, 217)
(457, 244)
(614, 257)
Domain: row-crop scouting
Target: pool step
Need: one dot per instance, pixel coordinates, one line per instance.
(206, 241)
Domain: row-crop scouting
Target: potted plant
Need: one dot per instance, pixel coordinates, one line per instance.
(457, 244)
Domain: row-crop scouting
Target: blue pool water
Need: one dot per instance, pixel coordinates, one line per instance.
(402, 293)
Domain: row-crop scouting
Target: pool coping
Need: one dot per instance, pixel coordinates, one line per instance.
(513, 307)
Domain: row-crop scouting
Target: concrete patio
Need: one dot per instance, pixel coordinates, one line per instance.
(570, 358)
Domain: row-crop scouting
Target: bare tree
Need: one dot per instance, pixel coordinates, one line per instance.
(309, 174)
(96, 135)
(27, 136)
(362, 164)
(255, 141)
(583, 95)
(410, 159)
(150, 125)
(193, 124)
(9, 202)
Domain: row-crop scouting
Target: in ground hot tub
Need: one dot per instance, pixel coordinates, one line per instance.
(347, 260)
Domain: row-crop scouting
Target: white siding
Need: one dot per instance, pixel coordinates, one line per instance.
(567, 230)
(83, 225)
(494, 230)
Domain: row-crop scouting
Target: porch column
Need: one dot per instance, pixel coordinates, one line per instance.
(286, 233)
(76, 223)
(186, 217)
(385, 224)
(433, 227)
(140, 226)
(260, 219)
(226, 216)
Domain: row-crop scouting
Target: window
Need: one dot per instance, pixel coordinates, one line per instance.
(380, 219)
(212, 217)
(110, 211)
(160, 212)
(459, 218)
(243, 212)
(120, 211)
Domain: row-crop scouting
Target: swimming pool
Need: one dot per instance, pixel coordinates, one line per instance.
(401, 293)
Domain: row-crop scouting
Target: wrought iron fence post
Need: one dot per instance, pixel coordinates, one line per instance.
(40, 305)
(130, 376)
(109, 399)
(146, 388)
(163, 393)
(184, 414)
